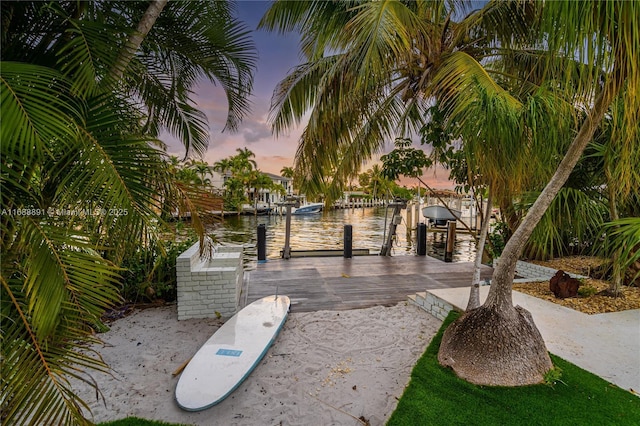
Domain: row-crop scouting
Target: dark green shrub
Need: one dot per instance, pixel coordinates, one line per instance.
(150, 273)
(498, 239)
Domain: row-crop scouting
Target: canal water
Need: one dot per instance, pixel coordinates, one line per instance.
(326, 231)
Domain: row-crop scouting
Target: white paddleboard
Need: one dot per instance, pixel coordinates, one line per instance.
(229, 356)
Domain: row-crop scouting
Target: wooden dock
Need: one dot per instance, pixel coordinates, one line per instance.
(335, 283)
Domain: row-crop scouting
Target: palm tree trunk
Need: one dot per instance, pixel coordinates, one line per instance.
(135, 40)
(500, 293)
(474, 294)
(615, 286)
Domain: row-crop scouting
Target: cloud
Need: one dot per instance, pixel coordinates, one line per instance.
(254, 131)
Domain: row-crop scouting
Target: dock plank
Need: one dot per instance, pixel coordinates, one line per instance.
(335, 283)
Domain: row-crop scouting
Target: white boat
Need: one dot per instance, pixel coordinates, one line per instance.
(259, 209)
(440, 215)
(309, 208)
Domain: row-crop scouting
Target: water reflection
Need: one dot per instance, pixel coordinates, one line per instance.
(326, 231)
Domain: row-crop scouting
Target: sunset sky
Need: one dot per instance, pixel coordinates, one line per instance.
(277, 55)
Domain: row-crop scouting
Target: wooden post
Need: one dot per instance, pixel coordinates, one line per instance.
(451, 241)
(286, 251)
(348, 242)
(421, 237)
(262, 243)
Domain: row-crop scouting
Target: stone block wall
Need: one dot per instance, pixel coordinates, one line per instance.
(531, 272)
(436, 306)
(440, 308)
(209, 288)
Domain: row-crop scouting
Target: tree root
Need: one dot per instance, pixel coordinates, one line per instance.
(487, 346)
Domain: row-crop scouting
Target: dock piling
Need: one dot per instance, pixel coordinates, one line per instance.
(348, 242)
(262, 243)
(421, 236)
(451, 241)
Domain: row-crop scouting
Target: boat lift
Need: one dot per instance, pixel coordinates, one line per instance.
(396, 218)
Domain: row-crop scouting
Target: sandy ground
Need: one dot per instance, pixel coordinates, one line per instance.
(325, 368)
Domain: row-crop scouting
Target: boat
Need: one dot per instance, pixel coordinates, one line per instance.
(259, 209)
(310, 208)
(440, 215)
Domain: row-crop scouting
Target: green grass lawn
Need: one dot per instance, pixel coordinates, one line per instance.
(436, 396)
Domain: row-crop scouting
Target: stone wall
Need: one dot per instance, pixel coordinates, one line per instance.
(436, 306)
(529, 272)
(209, 288)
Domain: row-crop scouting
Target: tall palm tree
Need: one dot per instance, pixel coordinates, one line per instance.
(392, 58)
(202, 169)
(287, 172)
(83, 174)
(223, 166)
(603, 35)
(410, 40)
(378, 184)
(245, 158)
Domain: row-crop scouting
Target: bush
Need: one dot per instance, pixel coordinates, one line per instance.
(498, 238)
(587, 291)
(150, 273)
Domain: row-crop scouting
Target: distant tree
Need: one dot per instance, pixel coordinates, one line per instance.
(244, 173)
(364, 179)
(245, 158)
(287, 172)
(223, 166)
(202, 169)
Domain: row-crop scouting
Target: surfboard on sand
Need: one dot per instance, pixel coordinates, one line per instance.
(231, 353)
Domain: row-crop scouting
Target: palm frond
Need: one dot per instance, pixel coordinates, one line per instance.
(569, 226)
(70, 273)
(297, 92)
(46, 315)
(116, 172)
(86, 57)
(605, 36)
(37, 108)
(206, 42)
(623, 237)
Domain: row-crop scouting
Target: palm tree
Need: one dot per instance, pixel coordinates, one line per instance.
(392, 58)
(378, 184)
(613, 56)
(199, 40)
(84, 177)
(412, 40)
(619, 172)
(244, 173)
(245, 159)
(287, 172)
(223, 166)
(202, 169)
